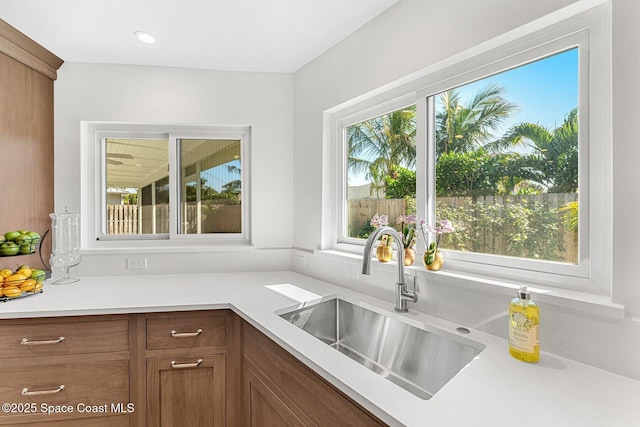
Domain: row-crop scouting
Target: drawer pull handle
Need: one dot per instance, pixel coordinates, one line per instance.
(26, 341)
(185, 365)
(186, 334)
(25, 391)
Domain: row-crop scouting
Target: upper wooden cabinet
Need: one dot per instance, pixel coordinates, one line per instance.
(27, 72)
(27, 52)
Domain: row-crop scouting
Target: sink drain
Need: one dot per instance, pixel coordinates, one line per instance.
(462, 330)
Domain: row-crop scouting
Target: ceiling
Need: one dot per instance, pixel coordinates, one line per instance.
(135, 163)
(234, 35)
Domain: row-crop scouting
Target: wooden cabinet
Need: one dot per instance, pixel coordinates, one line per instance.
(55, 371)
(186, 391)
(266, 405)
(280, 390)
(200, 368)
(188, 356)
(27, 73)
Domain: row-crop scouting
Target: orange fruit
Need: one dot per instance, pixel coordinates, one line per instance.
(14, 280)
(11, 291)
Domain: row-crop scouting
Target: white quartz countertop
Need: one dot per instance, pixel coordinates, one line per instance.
(493, 390)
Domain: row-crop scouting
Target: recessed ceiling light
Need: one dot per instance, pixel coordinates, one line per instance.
(145, 37)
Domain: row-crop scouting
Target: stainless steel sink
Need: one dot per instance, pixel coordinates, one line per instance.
(420, 361)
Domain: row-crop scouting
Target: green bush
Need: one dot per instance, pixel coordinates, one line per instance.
(515, 228)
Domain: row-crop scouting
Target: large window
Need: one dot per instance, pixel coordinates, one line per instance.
(511, 146)
(169, 183)
(506, 161)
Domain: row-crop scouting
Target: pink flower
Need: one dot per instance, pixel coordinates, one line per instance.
(444, 227)
(406, 219)
(379, 221)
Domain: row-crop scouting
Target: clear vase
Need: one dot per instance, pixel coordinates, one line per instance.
(65, 252)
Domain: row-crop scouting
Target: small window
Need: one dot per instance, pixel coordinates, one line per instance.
(168, 186)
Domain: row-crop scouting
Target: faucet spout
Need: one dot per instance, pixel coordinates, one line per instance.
(402, 294)
(368, 248)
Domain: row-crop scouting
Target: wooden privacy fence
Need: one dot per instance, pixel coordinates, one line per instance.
(134, 219)
(523, 225)
(362, 210)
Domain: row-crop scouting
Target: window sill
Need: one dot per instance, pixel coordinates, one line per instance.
(155, 248)
(580, 302)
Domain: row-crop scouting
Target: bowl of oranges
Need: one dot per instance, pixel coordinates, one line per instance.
(23, 281)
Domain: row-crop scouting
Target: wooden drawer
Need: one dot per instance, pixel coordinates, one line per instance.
(45, 339)
(62, 383)
(187, 331)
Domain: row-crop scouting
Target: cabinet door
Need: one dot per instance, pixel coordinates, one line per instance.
(186, 391)
(268, 407)
(315, 397)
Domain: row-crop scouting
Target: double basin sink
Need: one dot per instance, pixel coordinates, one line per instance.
(420, 360)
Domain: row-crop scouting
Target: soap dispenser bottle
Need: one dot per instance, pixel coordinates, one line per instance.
(524, 322)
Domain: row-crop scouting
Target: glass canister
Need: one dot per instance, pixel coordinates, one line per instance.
(65, 252)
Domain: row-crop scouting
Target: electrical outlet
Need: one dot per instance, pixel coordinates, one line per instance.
(298, 262)
(137, 263)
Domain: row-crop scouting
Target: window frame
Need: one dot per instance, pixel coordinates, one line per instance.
(94, 235)
(589, 30)
(342, 125)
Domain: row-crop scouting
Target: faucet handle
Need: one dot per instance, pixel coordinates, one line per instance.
(410, 295)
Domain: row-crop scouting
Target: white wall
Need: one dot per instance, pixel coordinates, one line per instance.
(99, 92)
(413, 35)
(626, 153)
(406, 38)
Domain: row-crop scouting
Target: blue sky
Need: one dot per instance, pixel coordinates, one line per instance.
(545, 91)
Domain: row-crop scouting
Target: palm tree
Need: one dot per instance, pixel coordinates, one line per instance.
(378, 145)
(462, 128)
(554, 152)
